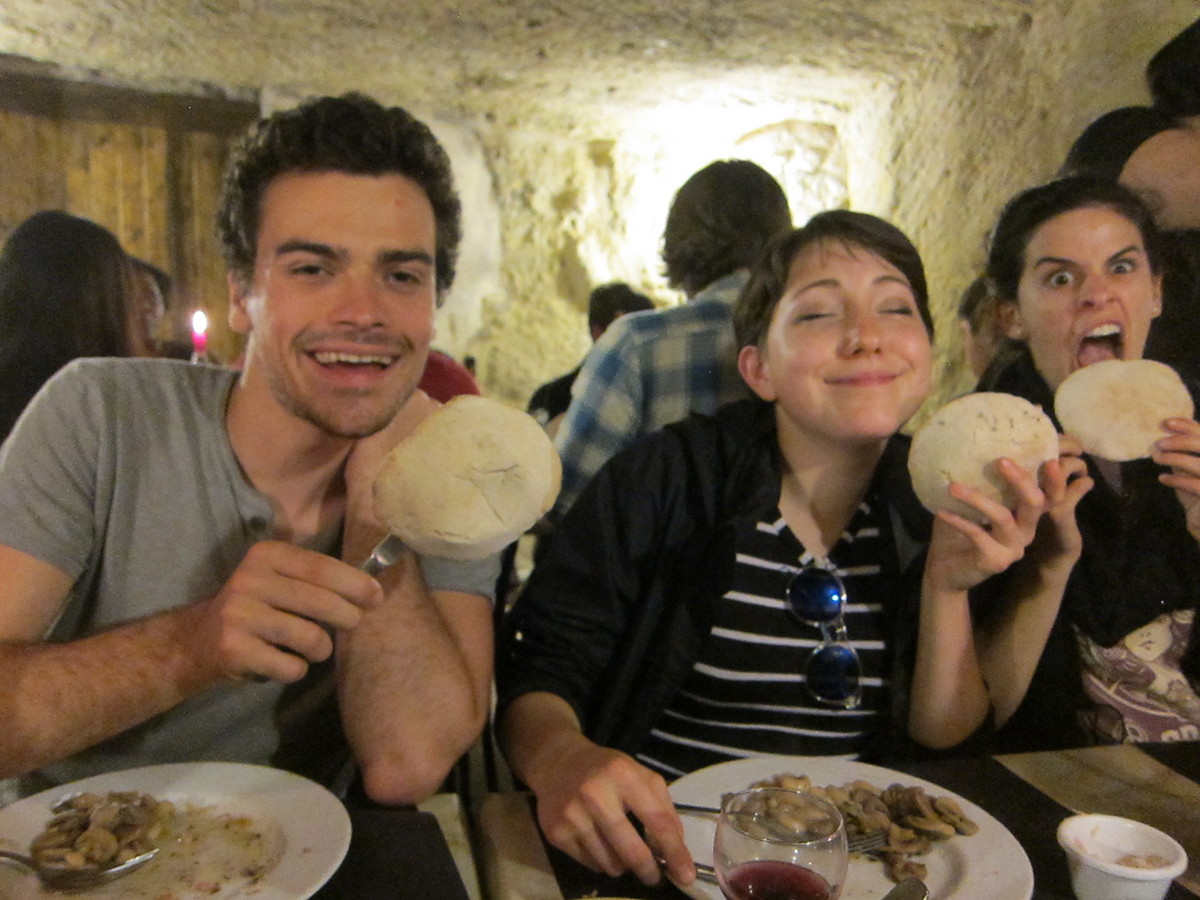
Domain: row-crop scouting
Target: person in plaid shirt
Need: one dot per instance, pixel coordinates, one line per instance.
(653, 368)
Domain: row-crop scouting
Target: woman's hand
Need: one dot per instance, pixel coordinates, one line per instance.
(1064, 482)
(963, 552)
(1180, 452)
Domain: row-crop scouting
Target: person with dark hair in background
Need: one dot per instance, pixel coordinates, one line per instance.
(1155, 151)
(152, 295)
(340, 224)
(984, 340)
(66, 291)
(1173, 74)
(653, 369)
(606, 304)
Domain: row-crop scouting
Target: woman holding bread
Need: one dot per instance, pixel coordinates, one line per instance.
(756, 581)
(1075, 264)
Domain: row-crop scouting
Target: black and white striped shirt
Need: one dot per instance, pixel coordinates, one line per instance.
(746, 694)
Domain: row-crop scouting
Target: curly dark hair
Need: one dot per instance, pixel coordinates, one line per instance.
(353, 134)
(769, 278)
(721, 220)
(1025, 213)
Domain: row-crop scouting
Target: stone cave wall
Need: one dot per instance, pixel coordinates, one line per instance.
(938, 152)
(583, 210)
(551, 212)
(997, 113)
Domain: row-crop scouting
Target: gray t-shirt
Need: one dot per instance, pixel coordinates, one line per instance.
(120, 473)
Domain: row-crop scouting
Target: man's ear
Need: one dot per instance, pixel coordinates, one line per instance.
(239, 318)
(756, 372)
(1011, 320)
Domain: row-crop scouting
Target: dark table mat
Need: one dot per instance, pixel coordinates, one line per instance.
(1030, 815)
(1183, 757)
(395, 854)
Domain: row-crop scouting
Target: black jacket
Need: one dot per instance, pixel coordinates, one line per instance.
(616, 610)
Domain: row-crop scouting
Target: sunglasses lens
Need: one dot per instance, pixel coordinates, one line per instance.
(816, 595)
(833, 674)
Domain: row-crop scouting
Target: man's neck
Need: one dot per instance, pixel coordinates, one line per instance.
(293, 462)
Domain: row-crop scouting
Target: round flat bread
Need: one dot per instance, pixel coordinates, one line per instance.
(474, 476)
(1116, 408)
(963, 441)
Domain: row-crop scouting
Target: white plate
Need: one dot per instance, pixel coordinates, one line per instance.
(989, 865)
(310, 824)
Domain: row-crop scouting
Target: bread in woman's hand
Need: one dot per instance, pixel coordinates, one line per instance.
(1116, 408)
(963, 441)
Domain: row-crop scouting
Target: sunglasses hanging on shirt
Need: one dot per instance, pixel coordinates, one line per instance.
(833, 673)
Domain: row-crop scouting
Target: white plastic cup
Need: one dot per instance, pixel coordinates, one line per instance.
(1095, 843)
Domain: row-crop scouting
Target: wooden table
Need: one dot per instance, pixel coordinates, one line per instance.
(1028, 793)
(1123, 780)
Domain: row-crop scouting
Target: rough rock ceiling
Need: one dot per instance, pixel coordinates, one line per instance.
(571, 58)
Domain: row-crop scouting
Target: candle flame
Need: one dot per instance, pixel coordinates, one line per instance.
(199, 322)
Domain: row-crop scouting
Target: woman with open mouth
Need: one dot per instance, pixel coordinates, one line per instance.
(1075, 265)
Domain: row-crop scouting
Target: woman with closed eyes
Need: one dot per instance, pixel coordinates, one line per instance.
(756, 581)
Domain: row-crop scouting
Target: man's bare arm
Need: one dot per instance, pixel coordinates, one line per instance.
(62, 698)
(414, 680)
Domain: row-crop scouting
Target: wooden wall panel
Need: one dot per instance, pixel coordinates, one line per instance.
(117, 176)
(31, 168)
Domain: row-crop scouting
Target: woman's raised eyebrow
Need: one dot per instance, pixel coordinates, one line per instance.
(1054, 261)
(1132, 248)
(1063, 261)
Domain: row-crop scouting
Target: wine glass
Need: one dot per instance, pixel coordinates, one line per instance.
(778, 844)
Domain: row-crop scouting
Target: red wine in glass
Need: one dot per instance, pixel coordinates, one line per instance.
(772, 880)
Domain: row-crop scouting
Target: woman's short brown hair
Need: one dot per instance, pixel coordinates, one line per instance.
(769, 278)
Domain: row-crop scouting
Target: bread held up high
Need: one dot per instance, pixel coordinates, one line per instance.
(964, 440)
(1116, 408)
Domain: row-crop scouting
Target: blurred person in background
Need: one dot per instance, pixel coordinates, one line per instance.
(152, 296)
(606, 304)
(1155, 151)
(982, 331)
(653, 369)
(67, 290)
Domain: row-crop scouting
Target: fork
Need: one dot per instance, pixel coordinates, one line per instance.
(386, 553)
(865, 843)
